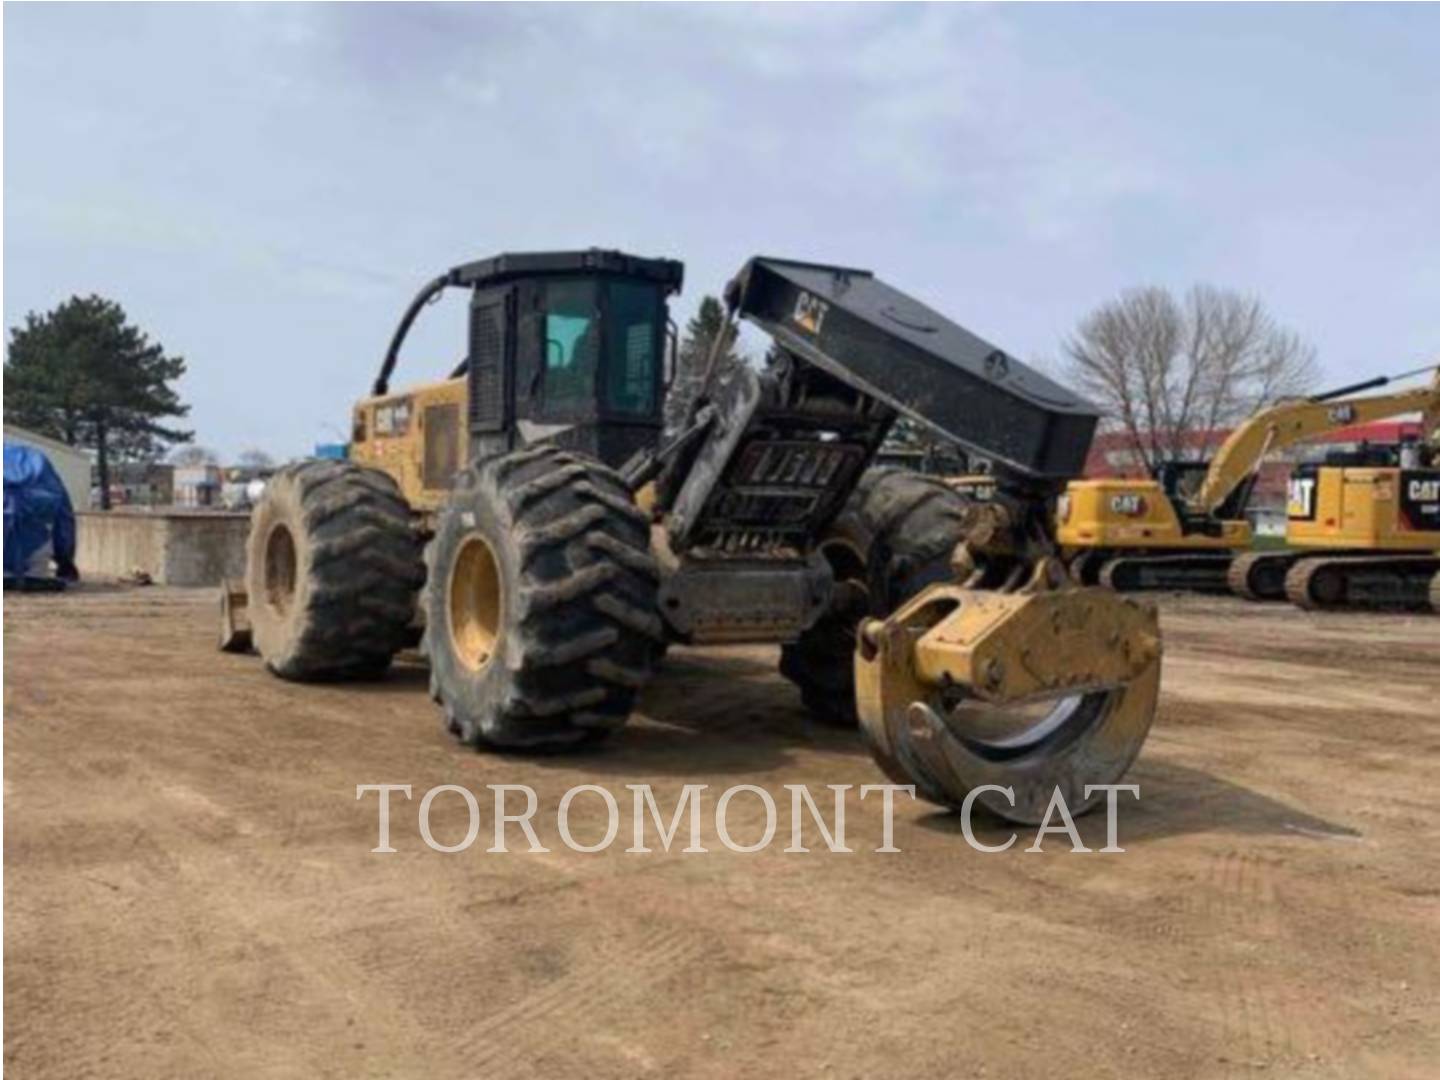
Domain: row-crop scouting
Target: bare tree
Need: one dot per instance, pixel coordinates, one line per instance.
(1172, 374)
(255, 458)
(194, 455)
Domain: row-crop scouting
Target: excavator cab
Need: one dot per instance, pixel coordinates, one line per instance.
(1181, 480)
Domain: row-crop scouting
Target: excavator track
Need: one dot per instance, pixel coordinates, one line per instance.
(1260, 575)
(1203, 572)
(1084, 568)
(1364, 582)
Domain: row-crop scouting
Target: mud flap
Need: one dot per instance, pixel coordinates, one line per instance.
(235, 634)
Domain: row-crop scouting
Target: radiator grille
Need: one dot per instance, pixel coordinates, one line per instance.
(778, 491)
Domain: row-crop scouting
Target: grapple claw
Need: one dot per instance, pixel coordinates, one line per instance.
(966, 690)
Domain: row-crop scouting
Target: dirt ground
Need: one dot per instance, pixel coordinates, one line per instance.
(190, 891)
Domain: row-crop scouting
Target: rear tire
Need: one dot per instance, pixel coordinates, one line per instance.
(333, 565)
(541, 620)
(893, 538)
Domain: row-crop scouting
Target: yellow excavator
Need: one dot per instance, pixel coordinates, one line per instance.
(1362, 528)
(1184, 528)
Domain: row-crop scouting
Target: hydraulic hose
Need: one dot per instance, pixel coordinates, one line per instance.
(392, 355)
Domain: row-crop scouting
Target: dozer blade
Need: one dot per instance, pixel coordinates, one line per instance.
(234, 618)
(963, 688)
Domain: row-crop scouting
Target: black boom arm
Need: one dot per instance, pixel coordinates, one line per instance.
(891, 347)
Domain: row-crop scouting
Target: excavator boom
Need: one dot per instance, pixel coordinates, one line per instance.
(1292, 422)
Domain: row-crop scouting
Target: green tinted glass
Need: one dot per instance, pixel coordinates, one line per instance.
(572, 343)
(632, 341)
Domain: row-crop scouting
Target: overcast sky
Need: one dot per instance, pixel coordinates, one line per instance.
(263, 188)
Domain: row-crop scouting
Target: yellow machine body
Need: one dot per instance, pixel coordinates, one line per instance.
(1354, 508)
(1114, 513)
(416, 435)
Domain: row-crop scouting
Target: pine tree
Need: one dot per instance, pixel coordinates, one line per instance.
(701, 331)
(82, 374)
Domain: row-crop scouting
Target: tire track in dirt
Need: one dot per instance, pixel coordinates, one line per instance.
(191, 892)
(616, 978)
(1263, 1017)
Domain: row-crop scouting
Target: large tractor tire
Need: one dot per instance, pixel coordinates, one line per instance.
(541, 617)
(893, 538)
(333, 565)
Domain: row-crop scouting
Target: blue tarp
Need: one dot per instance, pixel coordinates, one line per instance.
(37, 509)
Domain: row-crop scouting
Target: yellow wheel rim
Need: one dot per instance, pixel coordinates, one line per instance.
(475, 603)
(280, 568)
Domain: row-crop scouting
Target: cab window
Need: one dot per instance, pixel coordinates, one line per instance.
(632, 351)
(572, 341)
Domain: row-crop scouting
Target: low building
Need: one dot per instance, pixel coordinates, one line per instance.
(71, 462)
(141, 483)
(198, 486)
(243, 485)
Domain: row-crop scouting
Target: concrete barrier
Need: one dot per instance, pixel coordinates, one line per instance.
(174, 547)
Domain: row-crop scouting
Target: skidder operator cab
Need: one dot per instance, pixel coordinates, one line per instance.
(567, 346)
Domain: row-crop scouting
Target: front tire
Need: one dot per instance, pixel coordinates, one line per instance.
(541, 618)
